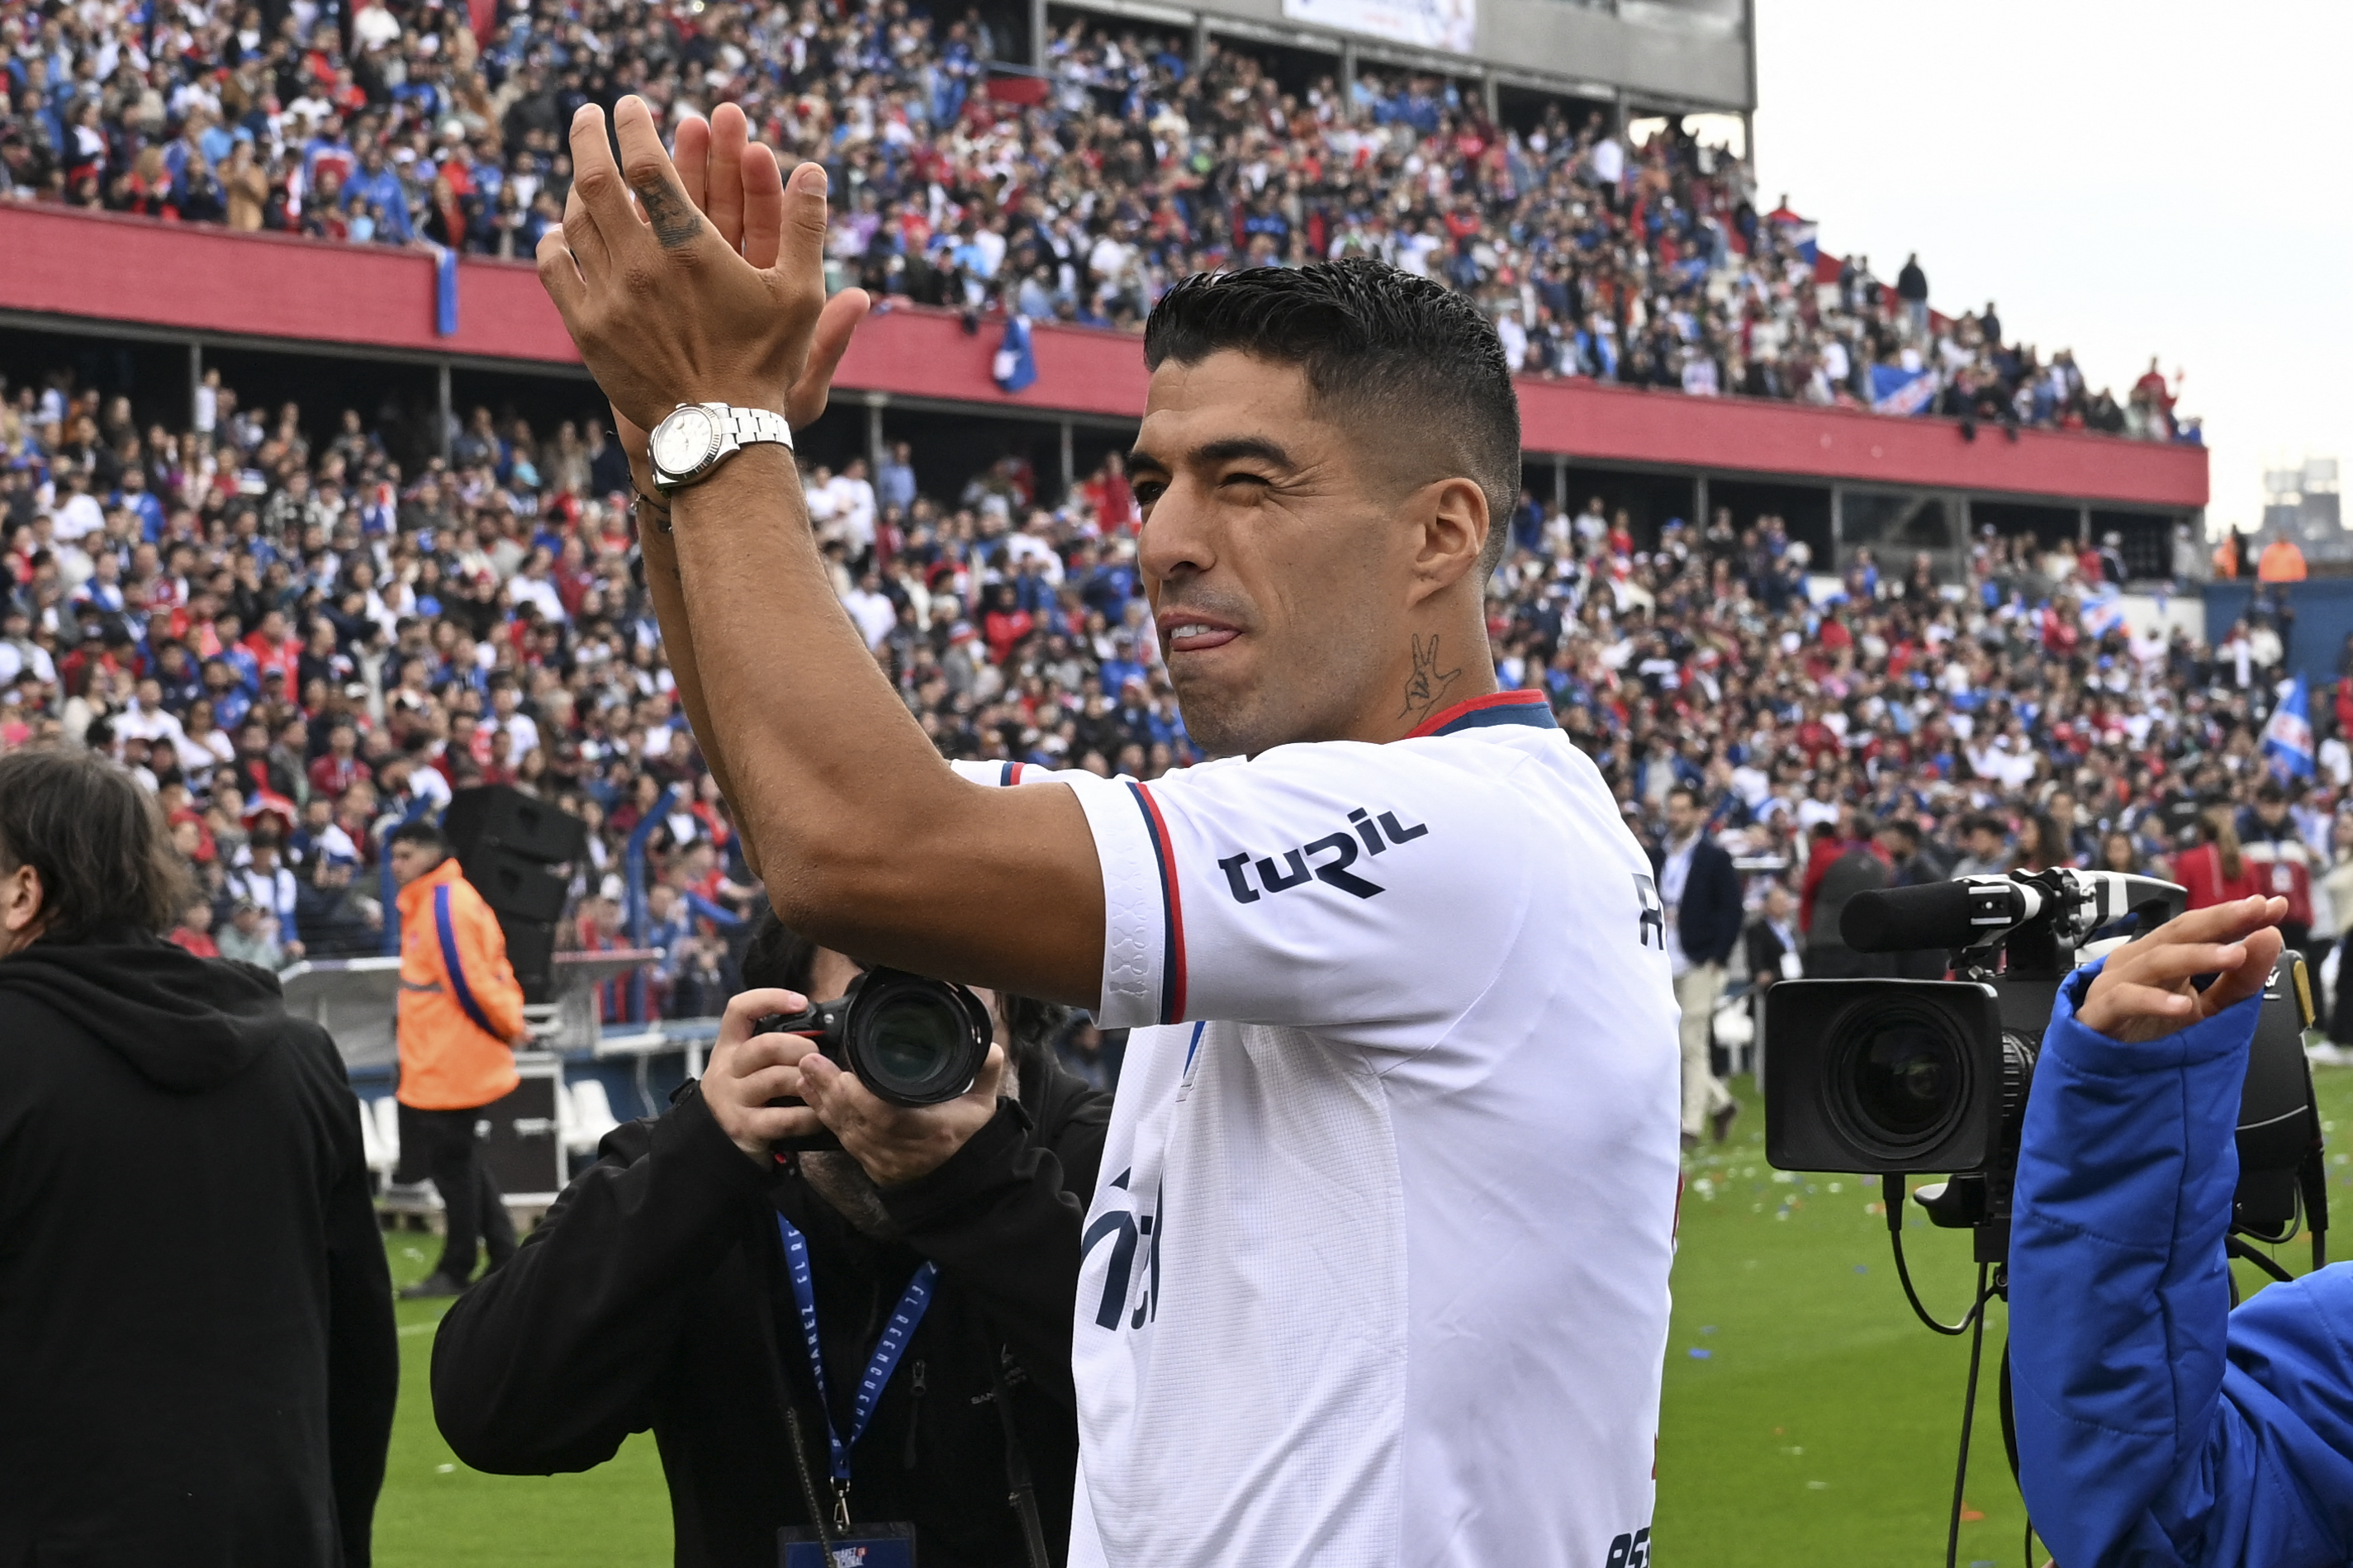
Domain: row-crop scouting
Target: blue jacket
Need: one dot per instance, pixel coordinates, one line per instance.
(2156, 1426)
(1710, 915)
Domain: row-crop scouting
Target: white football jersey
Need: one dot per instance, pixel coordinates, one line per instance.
(1376, 1269)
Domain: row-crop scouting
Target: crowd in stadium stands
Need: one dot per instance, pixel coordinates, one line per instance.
(1080, 196)
(295, 645)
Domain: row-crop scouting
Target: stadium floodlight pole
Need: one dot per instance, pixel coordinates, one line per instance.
(1749, 114)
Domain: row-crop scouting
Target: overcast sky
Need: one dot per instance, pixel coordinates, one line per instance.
(2159, 177)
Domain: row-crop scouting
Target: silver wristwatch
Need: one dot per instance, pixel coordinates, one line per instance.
(696, 437)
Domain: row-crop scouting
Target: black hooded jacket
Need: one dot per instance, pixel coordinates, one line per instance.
(197, 1360)
(655, 1295)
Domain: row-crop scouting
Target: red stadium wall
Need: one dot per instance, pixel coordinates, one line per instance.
(206, 280)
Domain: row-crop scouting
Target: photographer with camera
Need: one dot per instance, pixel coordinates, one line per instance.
(2156, 1425)
(675, 1284)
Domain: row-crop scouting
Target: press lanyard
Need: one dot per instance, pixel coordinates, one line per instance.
(893, 1344)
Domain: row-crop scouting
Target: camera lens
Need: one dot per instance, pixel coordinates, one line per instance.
(1899, 1077)
(915, 1040)
(1904, 1080)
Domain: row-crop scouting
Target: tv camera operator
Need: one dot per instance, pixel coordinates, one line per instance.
(2114, 1135)
(2157, 1426)
(934, 1254)
(197, 1362)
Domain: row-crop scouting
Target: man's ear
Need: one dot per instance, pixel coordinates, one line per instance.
(1451, 515)
(20, 900)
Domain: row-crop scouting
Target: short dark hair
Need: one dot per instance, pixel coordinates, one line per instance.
(1380, 347)
(1685, 791)
(420, 833)
(97, 841)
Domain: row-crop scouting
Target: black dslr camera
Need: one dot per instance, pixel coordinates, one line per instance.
(1900, 1077)
(910, 1040)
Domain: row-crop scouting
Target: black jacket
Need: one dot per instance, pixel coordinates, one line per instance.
(197, 1361)
(655, 1295)
(1765, 951)
(1710, 915)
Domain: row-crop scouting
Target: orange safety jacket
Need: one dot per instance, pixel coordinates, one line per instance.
(460, 1003)
(2281, 562)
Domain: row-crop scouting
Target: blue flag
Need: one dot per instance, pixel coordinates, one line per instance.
(1015, 366)
(2288, 739)
(1894, 390)
(445, 292)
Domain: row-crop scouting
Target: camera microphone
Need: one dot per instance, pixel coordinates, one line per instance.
(1961, 913)
(1970, 911)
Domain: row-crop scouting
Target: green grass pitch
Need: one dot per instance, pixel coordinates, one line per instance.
(1807, 1418)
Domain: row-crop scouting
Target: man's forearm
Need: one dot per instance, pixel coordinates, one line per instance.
(779, 670)
(868, 842)
(660, 554)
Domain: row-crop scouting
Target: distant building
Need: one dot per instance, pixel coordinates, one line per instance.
(2302, 504)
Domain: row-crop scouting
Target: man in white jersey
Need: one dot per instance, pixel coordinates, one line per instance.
(1377, 1269)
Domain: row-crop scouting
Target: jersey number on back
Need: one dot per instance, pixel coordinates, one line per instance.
(1630, 1551)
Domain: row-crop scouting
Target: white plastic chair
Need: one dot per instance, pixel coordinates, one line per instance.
(371, 1143)
(591, 1116)
(386, 1112)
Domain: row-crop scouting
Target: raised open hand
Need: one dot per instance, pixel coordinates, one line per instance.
(2143, 991)
(670, 303)
(736, 183)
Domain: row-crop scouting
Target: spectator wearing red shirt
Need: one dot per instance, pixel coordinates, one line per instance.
(460, 747)
(274, 647)
(193, 934)
(1113, 499)
(1005, 625)
(600, 929)
(2217, 871)
(340, 768)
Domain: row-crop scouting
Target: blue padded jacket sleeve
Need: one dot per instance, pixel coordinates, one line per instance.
(2155, 1427)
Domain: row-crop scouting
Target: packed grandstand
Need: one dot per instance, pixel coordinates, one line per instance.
(295, 645)
(301, 633)
(1078, 194)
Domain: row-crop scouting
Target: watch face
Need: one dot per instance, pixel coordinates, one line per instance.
(683, 440)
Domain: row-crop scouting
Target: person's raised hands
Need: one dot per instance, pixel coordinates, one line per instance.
(895, 1144)
(736, 183)
(2144, 993)
(747, 1070)
(669, 305)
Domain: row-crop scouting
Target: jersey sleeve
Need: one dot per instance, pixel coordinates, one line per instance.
(1332, 887)
(999, 774)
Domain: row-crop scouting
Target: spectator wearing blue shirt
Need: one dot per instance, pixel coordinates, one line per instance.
(1108, 586)
(668, 924)
(136, 498)
(376, 188)
(895, 479)
(1123, 667)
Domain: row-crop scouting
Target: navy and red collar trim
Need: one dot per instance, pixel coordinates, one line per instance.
(1495, 708)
